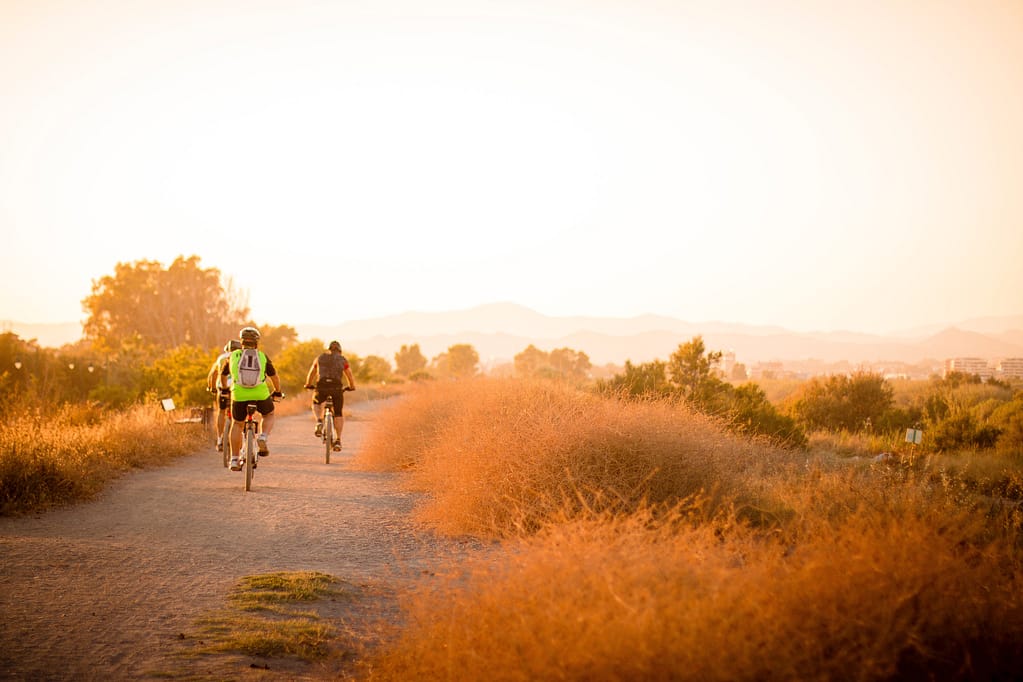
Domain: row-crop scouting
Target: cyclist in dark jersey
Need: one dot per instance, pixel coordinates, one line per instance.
(327, 376)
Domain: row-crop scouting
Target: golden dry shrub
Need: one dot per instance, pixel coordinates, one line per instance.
(49, 459)
(499, 457)
(879, 593)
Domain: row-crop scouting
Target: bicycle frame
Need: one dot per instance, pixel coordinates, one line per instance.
(249, 445)
(328, 428)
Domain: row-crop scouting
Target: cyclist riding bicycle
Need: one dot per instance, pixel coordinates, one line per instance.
(249, 370)
(328, 371)
(222, 397)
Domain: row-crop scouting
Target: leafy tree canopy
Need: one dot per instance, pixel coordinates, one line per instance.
(560, 363)
(145, 304)
(409, 360)
(459, 361)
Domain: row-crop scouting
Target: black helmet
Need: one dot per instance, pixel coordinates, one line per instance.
(233, 344)
(249, 334)
(335, 345)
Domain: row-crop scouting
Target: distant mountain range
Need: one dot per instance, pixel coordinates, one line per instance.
(500, 331)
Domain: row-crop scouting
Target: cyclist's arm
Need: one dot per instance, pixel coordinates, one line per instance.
(350, 377)
(224, 374)
(271, 374)
(213, 378)
(314, 371)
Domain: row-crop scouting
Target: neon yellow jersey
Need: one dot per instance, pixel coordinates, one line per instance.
(238, 392)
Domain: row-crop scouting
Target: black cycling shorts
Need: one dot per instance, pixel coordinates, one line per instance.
(335, 392)
(223, 402)
(238, 411)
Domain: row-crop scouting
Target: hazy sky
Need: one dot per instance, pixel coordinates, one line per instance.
(819, 165)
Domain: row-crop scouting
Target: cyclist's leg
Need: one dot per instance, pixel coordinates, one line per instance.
(266, 408)
(339, 419)
(319, 397)
(222, 406)
(220, 416)
(237, 426)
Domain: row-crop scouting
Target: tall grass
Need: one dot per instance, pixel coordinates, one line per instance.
(867, 596)
(847, 572)
(504, 457)
(54, 458)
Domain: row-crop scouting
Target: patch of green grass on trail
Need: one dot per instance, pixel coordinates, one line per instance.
(273, 616)
(266, 592)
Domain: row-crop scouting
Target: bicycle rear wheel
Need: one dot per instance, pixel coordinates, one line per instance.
(328, 434)
(250, 454)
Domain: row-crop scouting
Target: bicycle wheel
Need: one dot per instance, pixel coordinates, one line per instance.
(226, 436)
(250, 454)
(328, 434)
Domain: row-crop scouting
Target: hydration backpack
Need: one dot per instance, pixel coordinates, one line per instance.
(250, 368)
(331, 367)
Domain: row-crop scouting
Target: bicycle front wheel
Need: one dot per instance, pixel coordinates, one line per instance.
(250, 455)
(328, 435)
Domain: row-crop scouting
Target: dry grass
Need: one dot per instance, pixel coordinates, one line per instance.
(504, 457)
(866, 596)
(616, 567)
(49, 459)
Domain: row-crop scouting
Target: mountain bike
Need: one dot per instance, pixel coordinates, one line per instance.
(248, 453)
(328, 429)
(250, 428)
(327, 434)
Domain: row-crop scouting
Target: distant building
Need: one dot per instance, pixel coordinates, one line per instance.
(727, 363)
(767, 370)
(977, 366)
(1011, 368)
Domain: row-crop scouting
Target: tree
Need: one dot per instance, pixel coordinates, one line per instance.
(745, 408)
(409, 360)
(460, 361)
(570, 364)
(529, 362)
(372, 368)
(180, 374)
(561, 363)
(691, 369)
(292, 363)
(143, 303)
(751, 412)
(273, 340)
(842, 402)
(646, 380)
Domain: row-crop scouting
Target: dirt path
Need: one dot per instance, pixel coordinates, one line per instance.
(103, 590)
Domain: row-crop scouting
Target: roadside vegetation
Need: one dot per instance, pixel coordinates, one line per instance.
(641, 539)
(55, 457)
(662, 521)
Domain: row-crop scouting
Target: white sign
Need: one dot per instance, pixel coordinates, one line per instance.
(914, 436)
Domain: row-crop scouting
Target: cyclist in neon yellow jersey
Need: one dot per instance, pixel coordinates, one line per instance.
(254, 390)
